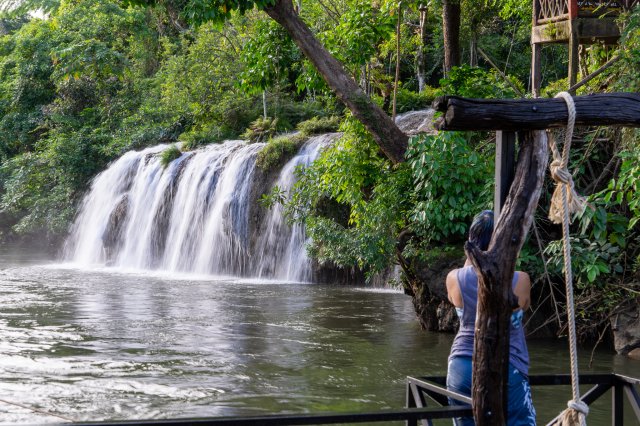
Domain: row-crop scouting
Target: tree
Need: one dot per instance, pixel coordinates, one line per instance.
(451, 30)
(391, 140)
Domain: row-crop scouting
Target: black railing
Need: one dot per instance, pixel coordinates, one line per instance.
(418, 389)
(417, 411)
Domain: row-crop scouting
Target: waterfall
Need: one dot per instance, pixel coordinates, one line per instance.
(279, 253)
(197, 214)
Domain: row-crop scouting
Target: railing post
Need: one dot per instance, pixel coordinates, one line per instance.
(634, 399)
(617, 404)
(410, 403)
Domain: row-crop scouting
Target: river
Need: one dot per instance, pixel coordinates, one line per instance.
(111, 344)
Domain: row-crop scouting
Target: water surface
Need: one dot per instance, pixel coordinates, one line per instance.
(106, 344)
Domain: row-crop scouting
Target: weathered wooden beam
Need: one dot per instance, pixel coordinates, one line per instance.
(495, 269)
(607, 109)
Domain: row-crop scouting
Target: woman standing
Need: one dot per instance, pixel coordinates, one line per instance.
(462, 290)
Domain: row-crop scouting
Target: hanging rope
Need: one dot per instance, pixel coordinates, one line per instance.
(560, 174)
(566, 201)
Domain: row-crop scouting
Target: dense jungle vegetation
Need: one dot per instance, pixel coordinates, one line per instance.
(83, 81)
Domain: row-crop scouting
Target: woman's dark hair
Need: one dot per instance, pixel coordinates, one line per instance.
(481, 229)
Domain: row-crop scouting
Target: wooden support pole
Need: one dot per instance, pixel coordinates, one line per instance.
(495, 271)
(505, 168)
(605, 109)
(536, 72)
(574, 57)
(536, 51)
(574, 44)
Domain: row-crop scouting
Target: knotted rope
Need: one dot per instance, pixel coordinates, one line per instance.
(560, 174)
(566, 201)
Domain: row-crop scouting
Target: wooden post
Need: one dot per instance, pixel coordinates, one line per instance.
(495, 269)
(574, 44)
(505, 168)
(536, 51)
(536, 72)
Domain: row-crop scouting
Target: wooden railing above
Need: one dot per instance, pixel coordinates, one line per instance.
(547, 11)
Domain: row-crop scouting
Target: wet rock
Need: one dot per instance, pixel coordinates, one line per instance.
(415, 122)
(112, 234)
(626, 329)
(427, 288)
(634, 354)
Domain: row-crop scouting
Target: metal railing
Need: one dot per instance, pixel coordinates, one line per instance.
(418, 389)
(416, 411)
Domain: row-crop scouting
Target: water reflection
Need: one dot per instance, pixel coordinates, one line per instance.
(108, 345)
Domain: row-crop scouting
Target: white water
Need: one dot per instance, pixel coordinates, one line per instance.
(281, 257)
(193, 216)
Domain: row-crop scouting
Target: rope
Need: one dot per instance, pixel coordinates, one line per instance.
(560, 174)
(564, 201)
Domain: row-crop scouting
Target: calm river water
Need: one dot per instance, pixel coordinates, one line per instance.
(103, 344)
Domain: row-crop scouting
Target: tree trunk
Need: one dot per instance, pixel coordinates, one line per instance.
(392, 141)
(473, 51)
(421, 57)
(496, 267)
(451, 32)
(397, 76)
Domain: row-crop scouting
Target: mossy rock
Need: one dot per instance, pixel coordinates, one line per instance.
(168, 155)
(278, 150)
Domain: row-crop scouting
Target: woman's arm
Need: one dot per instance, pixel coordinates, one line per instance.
(523, 290)
(453, 289)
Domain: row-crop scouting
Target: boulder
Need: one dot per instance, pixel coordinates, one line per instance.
(626, 329)
(634, 354)
(415, 122)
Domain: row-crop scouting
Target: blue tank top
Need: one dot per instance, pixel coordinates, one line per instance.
(463, 342)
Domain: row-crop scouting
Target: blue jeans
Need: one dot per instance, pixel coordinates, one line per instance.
(520, 410)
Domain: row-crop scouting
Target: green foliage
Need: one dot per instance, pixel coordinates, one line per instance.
(169, 154)
(269, 57)
(278, 150)
(319, 125)
(452, 181)
(477, 83)
(361, 28)
(25, 86)
(200, 11)
(198, 80)
(614, 212)
(408, 100)
(589, 260)
(352, 202)
(629, 80)
(261, 129)
(555, 87)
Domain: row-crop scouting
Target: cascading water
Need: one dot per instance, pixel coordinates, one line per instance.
(279, 253)
(192, 216)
